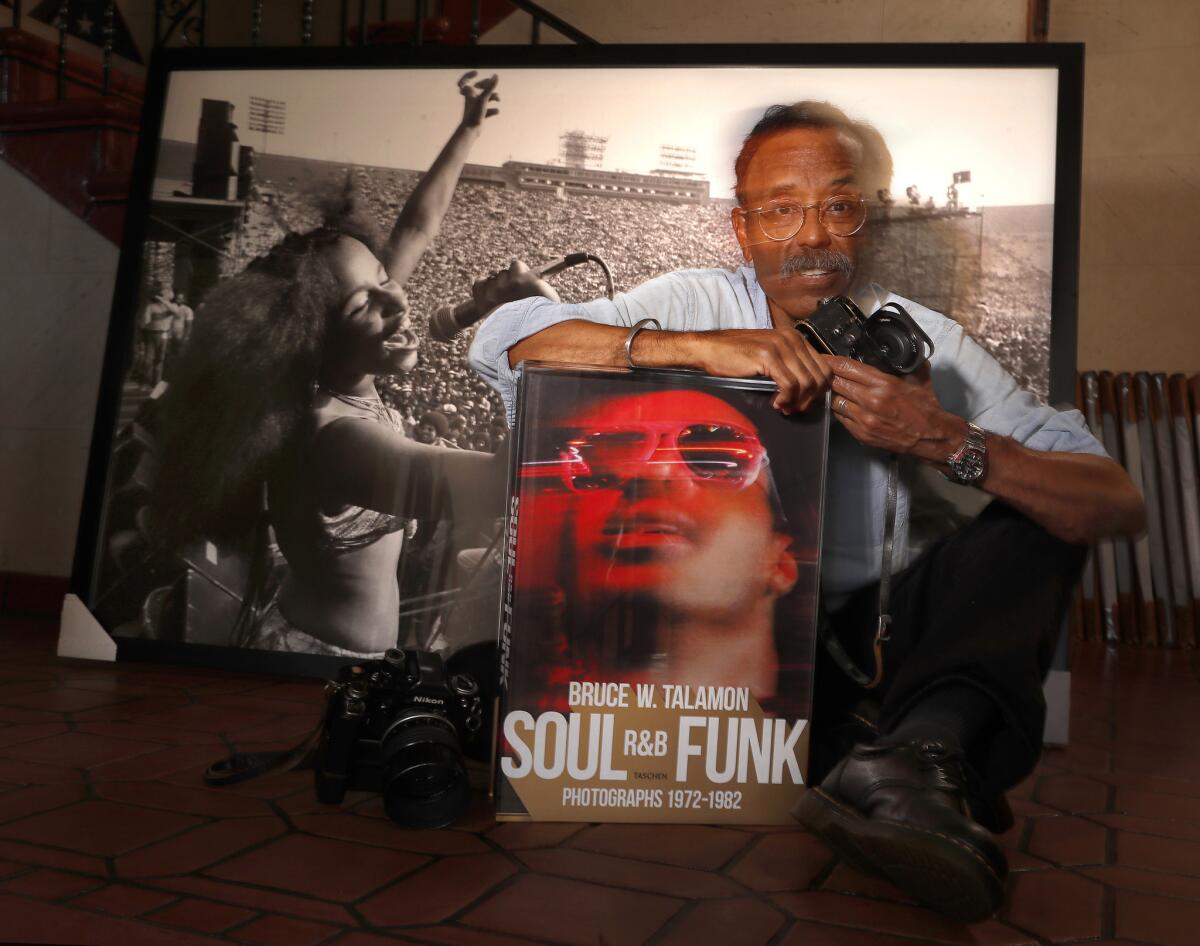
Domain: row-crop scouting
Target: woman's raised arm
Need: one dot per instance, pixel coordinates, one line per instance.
(422, 215)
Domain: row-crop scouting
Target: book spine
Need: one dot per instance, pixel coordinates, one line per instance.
(1185, 459)
(1126, 612)
(1193, 386)
(1089, 598)
(1161, 570)
(1147, 617)
(1106, 564)
(501, 792)
(1172, 513)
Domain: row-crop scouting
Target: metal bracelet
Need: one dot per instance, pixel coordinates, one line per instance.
(633, 333)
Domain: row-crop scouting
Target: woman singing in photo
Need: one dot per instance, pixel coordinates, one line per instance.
(273, 418)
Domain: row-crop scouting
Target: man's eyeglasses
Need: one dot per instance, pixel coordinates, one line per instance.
(842, 215)
(720, 455)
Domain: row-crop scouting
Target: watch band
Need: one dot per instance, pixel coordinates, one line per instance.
(968, 464)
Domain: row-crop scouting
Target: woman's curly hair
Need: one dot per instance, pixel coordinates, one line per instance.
(243, 387)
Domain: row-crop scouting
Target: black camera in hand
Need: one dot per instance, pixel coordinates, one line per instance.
(398, 726)
(889, 340)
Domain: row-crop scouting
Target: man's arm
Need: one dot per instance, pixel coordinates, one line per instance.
(783, 356)
(596, 334)
(1077, 497)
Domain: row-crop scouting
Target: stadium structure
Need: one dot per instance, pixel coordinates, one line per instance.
(574, 181)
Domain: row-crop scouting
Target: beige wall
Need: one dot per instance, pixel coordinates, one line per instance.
(1139, 268)
(781, 21)
(1139, 271)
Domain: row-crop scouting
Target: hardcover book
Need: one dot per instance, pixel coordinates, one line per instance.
(658, 614)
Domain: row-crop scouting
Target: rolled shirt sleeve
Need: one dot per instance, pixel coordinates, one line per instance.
(971, 383)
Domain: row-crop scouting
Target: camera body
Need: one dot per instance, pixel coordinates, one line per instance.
(889, 339)
(398, 726)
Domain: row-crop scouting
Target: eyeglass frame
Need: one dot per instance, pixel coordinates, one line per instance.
(804, 208)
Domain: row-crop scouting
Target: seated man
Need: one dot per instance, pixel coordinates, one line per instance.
(975, 616)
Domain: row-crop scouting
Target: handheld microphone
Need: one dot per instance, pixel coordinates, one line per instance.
(448, 322)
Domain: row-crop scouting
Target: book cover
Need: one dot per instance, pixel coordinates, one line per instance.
(658, 615)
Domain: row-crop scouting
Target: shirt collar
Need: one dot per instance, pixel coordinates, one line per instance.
(758, 298)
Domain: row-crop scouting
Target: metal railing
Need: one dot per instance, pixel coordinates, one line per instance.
(541, 15)
(185, 23)
(62, 23)
(185, 19)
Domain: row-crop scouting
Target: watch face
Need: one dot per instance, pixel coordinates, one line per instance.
(969, 467)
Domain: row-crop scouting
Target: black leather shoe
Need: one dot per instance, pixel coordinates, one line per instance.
(899, 811)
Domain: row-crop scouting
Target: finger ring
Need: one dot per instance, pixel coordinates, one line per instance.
(840, 405)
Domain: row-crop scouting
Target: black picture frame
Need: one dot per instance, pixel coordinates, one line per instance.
(1066, 60)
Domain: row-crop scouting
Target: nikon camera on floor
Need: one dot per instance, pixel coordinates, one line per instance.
(399, 726)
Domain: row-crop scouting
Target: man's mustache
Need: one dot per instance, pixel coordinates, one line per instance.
(829, 261)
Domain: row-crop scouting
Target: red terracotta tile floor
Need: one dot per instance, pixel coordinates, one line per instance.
(108, 835)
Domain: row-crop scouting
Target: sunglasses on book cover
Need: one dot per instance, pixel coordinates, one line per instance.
(714, 454)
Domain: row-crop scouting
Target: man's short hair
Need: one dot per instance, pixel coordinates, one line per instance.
(875, 169)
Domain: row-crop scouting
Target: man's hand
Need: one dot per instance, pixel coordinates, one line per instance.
(508, 285)
(478, 97)
(779, 354)
(900, 414)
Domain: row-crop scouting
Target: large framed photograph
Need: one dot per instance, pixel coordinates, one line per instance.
(659, 602)
(293, 463)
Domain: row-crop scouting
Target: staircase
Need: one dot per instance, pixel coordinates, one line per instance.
(79, 147)
(77, 144)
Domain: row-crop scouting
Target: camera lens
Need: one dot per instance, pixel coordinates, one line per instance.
(901, 348)
(425, 780)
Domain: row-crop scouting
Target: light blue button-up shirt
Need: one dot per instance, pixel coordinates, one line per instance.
(966, 379)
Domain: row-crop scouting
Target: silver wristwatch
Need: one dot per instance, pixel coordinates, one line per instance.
(968, 463)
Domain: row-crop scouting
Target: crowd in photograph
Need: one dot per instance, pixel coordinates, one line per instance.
(488, 226)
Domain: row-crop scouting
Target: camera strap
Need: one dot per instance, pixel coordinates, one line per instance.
(832, 645)
(246, 765)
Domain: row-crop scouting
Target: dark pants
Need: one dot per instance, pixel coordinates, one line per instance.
(983, 606)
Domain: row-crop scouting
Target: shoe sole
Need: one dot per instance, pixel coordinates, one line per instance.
(939, 871)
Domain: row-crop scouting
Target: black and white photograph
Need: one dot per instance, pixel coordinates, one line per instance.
(304, 461)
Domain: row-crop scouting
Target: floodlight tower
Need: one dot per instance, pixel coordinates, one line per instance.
(676, 161)
(268, 116)
(577, 149)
